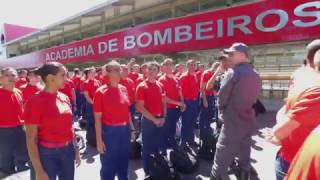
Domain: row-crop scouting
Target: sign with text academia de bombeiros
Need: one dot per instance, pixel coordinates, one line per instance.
(263, 22)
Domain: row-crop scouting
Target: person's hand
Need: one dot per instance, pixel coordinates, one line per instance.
(101, 147)
(159, 122)
(78, 159)
(183, 107)
(74, 108)
(42, 175)
(205, 103)
(133, 135)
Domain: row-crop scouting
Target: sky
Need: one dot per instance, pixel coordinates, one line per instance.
(41, 13)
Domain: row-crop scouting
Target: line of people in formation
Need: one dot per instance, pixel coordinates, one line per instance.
(37, 111)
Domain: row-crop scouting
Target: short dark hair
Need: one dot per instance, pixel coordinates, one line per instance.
(87, 70)
(153, 63)
(76, 71)
(50, 68)
(22, 71)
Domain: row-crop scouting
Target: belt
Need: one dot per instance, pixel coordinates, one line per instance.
(116, 124)
(48, 144)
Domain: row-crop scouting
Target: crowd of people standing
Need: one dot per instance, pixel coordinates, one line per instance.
(39, 107)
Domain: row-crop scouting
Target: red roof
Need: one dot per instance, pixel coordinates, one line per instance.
(12, 32)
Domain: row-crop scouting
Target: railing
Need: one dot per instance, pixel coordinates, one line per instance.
(275, 87)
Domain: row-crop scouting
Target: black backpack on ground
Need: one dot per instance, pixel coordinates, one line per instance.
(184, 159)
(161, 168)
(135, 150)
(208, 141)
(259, 108)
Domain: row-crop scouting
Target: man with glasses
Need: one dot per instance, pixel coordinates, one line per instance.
(239, 90)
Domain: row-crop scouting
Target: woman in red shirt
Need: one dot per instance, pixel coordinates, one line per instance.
(32, 87)
(112, 125)
(89, 89)
(13, 150)
(48, 120)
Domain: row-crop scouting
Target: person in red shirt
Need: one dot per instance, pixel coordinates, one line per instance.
(190, 91)
(48, 120)
(112, 125)
(90, 87)
(208, 111)
(32, 87)
(76, 79)
(150, 101)
(129, 84)
(199, 72)
(22, 78)
(68, 90)
(134, 73)
(143, 76)
(13, 150)
(174, 99)
(180, 68)
(300, 114)
(306, 164)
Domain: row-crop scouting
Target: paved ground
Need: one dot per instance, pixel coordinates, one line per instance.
(263, 155)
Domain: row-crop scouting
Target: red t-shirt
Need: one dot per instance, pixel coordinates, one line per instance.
(140, 80)
(305, 110)
(21, 82)
(306, 164)
(11, 105)
(133, 76)
(76, 82)
(116, 112)
(104, 80)
(199, 75)
(205, 78)
(28, 91)
(171, 87)
(68, 89)
(151, 94)
(129, 84)
(189, 86)
(91, 87)
(51, 112)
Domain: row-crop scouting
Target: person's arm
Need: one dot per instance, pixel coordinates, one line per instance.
(74, 98)
(226, 89)
(77, 151)
(171, 101)
(98, 125)
(88, 98)
(32, 145)
(304, 111)
(164, 104)
(140, 107)
(282, 131)
(210, 83)
(203, 92)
